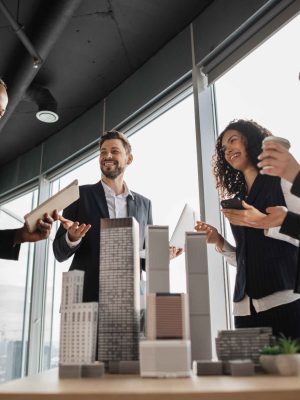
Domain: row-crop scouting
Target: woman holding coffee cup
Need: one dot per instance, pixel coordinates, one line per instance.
(266, 260)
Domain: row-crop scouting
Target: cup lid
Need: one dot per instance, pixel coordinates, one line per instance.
(284, 142)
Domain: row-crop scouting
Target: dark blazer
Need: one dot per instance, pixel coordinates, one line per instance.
(291, 224)
(89, 209)
(264, 265)
(295, 189)
(291, 227)
(7, 248)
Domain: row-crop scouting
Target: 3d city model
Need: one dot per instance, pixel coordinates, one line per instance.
(106, 337)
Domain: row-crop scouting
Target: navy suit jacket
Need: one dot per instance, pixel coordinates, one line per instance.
(264, 265)
(89, 209)
(7, 248)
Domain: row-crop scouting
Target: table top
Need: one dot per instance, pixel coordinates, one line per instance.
(47, 385)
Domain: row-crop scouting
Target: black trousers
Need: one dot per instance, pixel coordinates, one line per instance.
(283, 319)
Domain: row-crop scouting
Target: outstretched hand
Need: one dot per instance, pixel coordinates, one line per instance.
(174, 252)
(244, 217)
(212, 234)
(75, 230)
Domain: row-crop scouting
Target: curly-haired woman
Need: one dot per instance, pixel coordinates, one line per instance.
(266, 260)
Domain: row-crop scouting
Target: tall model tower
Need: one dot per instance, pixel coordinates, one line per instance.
(119, 297)
(166, 350)
(78, 330)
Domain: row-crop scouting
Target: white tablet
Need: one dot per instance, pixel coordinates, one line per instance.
(186, 223)
(59, 201)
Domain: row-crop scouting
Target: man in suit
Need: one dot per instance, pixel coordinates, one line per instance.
(10, 239)
(109, 198)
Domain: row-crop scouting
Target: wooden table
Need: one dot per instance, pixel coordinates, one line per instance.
(47, 386)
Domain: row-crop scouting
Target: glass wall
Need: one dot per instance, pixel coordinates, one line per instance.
(86, 173)
(164, 169)
(15, 291)
(265, 87)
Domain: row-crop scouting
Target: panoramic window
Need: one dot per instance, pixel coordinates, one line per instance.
(85, 173)
(165, 170)
(265, 87)
(15, 291)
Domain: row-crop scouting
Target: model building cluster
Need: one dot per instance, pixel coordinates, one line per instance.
(105, 336)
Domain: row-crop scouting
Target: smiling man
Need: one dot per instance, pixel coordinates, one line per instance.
(109, 198)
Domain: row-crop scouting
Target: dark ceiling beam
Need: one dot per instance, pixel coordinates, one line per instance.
(58, 16)
(18, 30)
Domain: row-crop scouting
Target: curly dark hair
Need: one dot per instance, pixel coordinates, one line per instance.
(230, 181)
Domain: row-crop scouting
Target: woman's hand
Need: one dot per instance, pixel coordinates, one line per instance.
(174, 252)
(245, 217)
(212, 234)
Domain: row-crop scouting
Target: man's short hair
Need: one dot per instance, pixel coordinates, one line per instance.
(113, 134)
(3, 83)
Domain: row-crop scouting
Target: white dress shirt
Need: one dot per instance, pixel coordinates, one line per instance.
(116, 203)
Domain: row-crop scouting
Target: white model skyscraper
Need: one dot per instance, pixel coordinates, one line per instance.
(78, 329)
(157, 259)
(119, 297)
(166, 351)
(198, 292)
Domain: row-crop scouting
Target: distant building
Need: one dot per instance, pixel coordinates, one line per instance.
(119, 291)
(14, 360)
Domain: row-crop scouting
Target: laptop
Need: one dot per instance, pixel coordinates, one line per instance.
(186, 223)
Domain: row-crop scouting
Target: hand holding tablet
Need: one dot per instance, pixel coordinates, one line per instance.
(59, 201)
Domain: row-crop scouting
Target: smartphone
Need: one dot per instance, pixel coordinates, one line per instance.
(232, 203)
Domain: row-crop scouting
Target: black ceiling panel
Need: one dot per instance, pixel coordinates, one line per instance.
(103, 43)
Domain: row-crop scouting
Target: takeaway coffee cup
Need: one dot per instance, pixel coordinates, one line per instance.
(284, 142)
(276, 139)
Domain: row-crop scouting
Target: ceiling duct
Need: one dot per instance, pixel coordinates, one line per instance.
(57, 15)
(18, 29)
(47, 105)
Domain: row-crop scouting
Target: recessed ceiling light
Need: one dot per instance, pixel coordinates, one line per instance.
(47, 116)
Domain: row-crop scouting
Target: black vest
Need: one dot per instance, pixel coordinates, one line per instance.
(264, 265)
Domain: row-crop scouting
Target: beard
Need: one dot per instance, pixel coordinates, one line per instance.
(112, 173)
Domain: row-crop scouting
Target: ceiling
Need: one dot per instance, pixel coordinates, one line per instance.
(88, 48)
